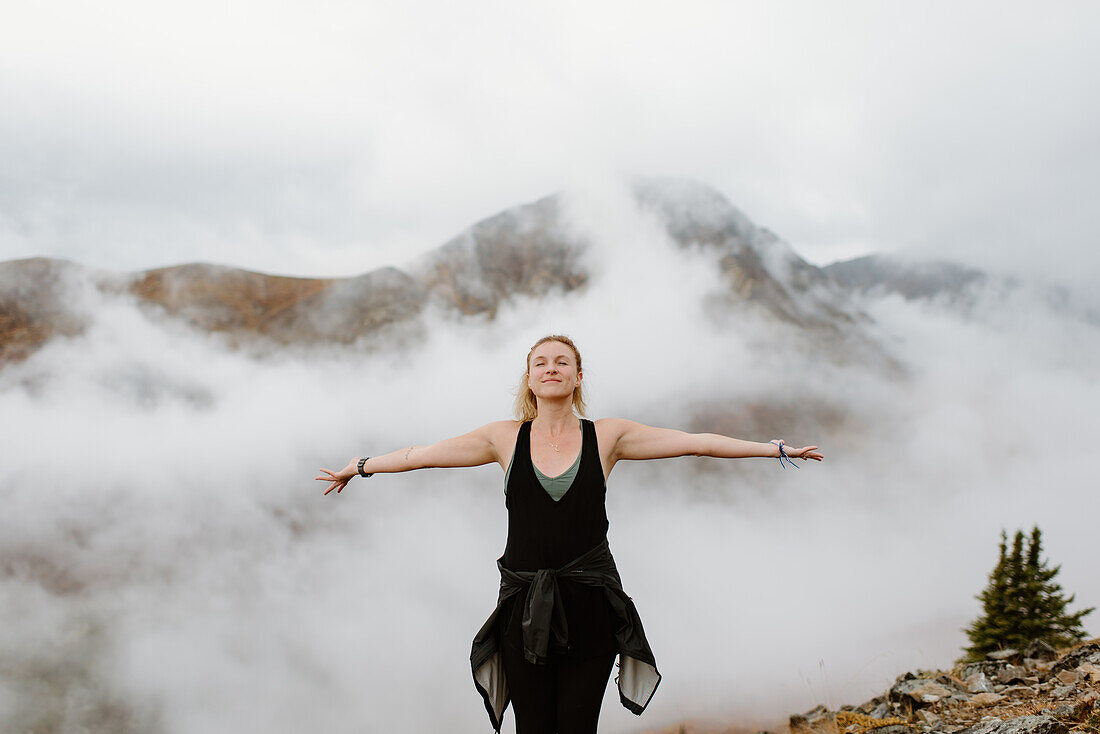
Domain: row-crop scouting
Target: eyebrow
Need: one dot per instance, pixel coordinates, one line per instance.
(560, 355)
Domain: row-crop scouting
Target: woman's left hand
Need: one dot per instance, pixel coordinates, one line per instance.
(806, 452)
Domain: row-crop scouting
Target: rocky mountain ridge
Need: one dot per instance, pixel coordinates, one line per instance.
(527, 251)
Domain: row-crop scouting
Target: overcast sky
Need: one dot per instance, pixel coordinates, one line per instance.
(329, 138)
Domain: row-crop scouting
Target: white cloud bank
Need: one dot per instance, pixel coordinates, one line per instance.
(169, 563)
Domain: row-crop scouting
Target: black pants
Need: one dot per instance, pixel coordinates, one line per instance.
(558, 697)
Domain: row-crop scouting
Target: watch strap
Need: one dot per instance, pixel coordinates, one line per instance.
(361, 462)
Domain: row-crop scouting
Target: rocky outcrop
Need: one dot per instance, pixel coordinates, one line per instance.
(881, 274)
(36, 304)
(1011, 694)
(760, 269)
(522, 251)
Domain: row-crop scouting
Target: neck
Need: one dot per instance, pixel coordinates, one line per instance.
(555, 417)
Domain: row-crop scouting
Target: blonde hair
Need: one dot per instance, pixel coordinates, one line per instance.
(527, 406)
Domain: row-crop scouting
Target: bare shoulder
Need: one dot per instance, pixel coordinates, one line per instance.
(614, 425)
(610, 430)
(502, 436)
(501, 427)
(501, 433)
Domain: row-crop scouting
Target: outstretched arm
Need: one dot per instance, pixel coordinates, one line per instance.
(470, 449)
(638, 441)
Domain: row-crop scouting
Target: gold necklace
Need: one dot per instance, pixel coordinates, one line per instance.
(555, 446)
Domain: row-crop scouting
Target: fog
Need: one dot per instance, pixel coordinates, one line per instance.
(170, 564)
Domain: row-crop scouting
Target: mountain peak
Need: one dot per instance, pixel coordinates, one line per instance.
(693, 210)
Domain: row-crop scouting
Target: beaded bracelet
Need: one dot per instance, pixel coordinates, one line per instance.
(783, 455)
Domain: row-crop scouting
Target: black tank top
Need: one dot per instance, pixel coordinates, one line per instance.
(548, 533)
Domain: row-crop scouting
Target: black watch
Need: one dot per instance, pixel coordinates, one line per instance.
(361, 462)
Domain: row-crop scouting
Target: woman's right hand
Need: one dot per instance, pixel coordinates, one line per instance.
(341, 478)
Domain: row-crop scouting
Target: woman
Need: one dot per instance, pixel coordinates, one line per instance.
(562, 615)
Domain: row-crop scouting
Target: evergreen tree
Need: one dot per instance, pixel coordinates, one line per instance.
(987, 630)
(1048, 619)
(1017, 605)
(1022, 602)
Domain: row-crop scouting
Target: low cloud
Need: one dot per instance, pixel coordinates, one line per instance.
(169, 562)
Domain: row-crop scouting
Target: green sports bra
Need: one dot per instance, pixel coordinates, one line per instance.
(557, 486)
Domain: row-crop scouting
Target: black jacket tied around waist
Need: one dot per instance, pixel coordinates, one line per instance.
(545, 631)
(544, 622)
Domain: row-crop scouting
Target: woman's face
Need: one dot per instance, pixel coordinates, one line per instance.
(552, 370)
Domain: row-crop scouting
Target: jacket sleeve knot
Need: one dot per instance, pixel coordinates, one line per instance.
(545, 629)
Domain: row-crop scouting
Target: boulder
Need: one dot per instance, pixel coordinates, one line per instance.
(918, 691)
(1090, 671)
(978, 683)
(930, 718)
(881, 711)
(951, 681)
(988, 668)
(868, 706)
(1011, 674)
(808, 719)
(1089, 653)
(985, 726)
(1042, 724)
(1031, 725)
(1020, 692)
(893, 729)
(1009, 653)
(1062, 692)
(1069, 677)
(1039, 650)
